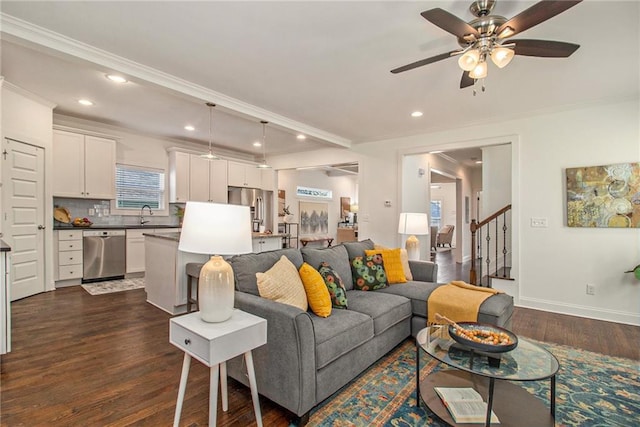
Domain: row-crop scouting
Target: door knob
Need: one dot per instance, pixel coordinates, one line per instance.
(41, 227)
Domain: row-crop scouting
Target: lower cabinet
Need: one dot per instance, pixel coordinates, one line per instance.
(68, 256)
(135, 247)
(266, 243)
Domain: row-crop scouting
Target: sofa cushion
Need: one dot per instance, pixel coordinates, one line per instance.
(417, 292)
(334, 284)
(497, 310)
(282, 283)
(385, 310)
(340, 333)
(246, 266)
(392, 264)
(355, 249)
(316, 290)
(368, 273)
(336, 256)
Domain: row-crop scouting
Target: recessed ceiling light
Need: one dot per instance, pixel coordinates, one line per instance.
(436, 152)
(257, 144)
(189, 128)
(478, 162)
(116, 78)
(301, 136)
(416, 114)
(85, 102)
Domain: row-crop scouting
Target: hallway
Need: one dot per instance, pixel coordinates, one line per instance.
(449, 270)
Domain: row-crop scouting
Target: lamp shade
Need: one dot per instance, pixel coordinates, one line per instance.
(413, 223)
(214, 228)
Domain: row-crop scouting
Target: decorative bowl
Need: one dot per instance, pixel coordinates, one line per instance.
(489, 348)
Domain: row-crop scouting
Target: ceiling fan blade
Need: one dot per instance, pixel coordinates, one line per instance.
(534, 15)
(450, 23)
(466, 81)
(423, 62)
(544, 48)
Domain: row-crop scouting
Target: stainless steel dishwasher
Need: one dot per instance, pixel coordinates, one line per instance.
(103, 255)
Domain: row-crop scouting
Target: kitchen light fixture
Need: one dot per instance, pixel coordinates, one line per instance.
(257, 144)
(85, 102)
(413, 223)
(264, 164)
(189, 128)
(216, 229)
(301, 137)
(116, 78)
(210, 155)
(416, 114)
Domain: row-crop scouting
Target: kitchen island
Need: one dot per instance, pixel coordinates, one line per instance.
(165, 275)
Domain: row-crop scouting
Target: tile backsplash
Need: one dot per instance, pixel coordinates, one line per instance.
(99, 212)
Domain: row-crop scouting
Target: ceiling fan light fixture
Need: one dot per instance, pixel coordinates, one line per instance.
(469, 60)
(210, 155)
(501, 56)
(480, 71)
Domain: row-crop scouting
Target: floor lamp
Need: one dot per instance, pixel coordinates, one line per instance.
(220, 229)
(413, 224)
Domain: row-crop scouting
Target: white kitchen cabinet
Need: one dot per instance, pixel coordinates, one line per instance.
(84, 166)
(268, 179)
(135, 247)
(266, 243)
(244, 175)
(207, 180)
(178, 176)
(68, 255)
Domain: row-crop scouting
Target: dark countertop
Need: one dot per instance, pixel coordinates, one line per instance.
(114, 227)
(4, 247)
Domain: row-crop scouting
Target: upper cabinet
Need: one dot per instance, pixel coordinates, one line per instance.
(178, 176)
(84, 166)
(192, 177)
(207, 180)
(244, 175)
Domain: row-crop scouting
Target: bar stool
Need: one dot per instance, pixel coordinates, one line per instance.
(193, 271)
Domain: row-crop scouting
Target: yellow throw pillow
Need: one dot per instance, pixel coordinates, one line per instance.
(317, 292)
(392, 264)
(404, 257)
(282, 283)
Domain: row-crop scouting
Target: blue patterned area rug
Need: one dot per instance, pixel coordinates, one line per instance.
(592, 390)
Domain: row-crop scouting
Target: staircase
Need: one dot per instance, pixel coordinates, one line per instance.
(491, 248)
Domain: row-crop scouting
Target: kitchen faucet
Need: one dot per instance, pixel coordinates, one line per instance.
(142, 220)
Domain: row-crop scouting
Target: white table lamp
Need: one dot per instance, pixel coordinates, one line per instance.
(413, 224)
(220, 229)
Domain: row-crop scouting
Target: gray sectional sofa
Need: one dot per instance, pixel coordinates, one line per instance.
(307, 358)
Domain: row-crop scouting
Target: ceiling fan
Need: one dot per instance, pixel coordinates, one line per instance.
(486, 37)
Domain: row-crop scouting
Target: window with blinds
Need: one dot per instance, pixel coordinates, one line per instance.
(137, 186)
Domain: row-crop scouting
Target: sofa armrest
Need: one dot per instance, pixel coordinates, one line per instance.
(286, 366)
(424, 271)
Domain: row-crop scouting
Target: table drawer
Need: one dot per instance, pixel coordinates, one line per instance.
(190, 342)
(69, 272)
(70, 257)
(70, 245)
(69, 234)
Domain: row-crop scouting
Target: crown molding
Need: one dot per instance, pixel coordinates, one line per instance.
(52, 40)
(30, 95)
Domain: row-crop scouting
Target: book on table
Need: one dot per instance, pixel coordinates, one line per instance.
(465, 405)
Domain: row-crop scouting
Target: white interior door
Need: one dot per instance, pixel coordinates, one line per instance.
(23, 216)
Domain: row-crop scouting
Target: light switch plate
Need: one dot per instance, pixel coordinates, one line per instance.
(539, 222)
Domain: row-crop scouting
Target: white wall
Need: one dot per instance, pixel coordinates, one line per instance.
(496, 175)
(341, 186)
(552, 265)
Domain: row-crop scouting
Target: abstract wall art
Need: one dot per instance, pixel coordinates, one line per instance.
(314, 218)
(604, 196)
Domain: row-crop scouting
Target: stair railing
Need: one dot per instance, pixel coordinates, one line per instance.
(492, 224)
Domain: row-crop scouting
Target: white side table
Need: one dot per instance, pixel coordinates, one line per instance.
(213, 344)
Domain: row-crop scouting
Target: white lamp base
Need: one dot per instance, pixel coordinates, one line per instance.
(216, 290)
(412, 246)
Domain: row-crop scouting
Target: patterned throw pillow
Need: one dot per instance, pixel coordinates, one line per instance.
(392, 264)
(334, 284)
(368, 273)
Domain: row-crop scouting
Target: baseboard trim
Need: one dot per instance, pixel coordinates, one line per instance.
(581, 311)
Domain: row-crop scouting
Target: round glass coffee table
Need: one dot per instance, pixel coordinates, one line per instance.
(513, 405)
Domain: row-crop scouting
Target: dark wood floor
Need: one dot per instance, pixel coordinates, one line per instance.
(82, 360)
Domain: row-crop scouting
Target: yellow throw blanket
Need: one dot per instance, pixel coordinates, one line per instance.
(459, 301)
